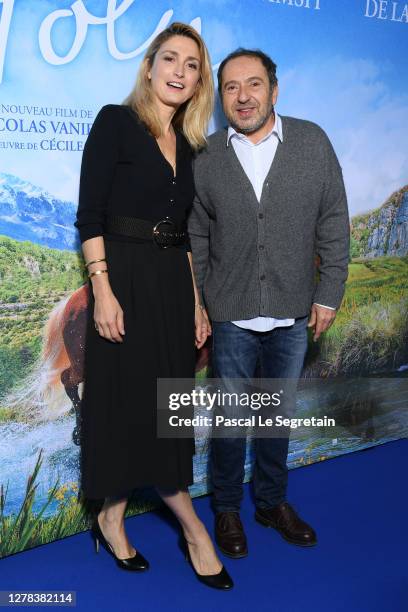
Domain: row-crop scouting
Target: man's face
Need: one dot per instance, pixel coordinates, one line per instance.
(247, 97)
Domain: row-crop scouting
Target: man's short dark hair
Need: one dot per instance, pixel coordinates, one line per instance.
(267, 63)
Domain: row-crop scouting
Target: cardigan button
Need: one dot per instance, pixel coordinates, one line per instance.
(260, 216)
(262, 277)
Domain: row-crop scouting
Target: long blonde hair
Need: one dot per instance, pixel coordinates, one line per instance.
(193, 116)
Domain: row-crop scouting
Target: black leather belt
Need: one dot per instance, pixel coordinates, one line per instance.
(165, 233)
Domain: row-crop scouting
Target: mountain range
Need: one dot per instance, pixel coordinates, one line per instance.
(28, 212)
(383, 231)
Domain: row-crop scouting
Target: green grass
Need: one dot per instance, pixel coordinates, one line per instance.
(35, 278)
(370, 333)
(28, 528)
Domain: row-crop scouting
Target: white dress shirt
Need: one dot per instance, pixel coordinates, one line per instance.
(256, 160)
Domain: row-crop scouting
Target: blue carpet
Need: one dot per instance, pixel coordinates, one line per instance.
(357, 504)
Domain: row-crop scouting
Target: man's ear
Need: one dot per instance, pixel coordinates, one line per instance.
(275, 93)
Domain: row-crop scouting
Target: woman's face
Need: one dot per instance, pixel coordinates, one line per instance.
(175, 71)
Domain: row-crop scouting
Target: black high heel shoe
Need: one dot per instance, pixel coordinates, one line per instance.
(137, 563)
(222, 580)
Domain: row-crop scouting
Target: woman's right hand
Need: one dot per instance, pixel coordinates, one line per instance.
(108, 317)
(202, 326)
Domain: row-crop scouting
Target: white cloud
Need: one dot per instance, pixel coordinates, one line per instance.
(351, 99)
(366, 120)
(220, 38)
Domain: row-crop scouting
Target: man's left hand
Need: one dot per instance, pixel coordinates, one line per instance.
(321, 319)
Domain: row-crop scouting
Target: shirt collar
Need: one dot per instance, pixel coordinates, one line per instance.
(277, 129)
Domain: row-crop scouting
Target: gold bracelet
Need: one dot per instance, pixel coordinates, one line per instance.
(96, 272)
(94, 261)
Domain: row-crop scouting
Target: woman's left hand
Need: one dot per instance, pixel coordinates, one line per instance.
(202, 326)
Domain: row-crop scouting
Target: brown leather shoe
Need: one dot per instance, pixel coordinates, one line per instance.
(284, 519)
(229, 535)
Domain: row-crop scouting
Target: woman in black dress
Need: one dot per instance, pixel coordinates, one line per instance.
(145, 314)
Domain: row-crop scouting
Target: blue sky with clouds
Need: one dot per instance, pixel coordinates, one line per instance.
(337, 67)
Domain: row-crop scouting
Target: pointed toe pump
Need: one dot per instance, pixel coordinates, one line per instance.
(137, 563)
(222, 580)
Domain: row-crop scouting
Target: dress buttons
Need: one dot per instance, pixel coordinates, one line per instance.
(261, 247)
(262, 277)
(260, 216)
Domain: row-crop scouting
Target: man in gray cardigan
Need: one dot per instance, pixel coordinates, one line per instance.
(270, 199)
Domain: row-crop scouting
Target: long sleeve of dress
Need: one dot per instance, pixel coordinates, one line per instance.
(97, 172)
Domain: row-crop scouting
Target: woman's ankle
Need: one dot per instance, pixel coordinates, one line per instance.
(196, 533)
(110, 519)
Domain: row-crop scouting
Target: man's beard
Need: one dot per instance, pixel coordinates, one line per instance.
(249, 129)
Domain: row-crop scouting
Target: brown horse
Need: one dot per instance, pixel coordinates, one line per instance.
(64, 342)
(65, 339)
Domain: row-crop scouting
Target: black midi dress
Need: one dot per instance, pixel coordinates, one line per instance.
(123, 172)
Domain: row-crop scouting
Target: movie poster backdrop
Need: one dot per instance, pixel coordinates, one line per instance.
(342, 64)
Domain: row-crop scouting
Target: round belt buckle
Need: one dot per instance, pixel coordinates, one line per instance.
(163, 233)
